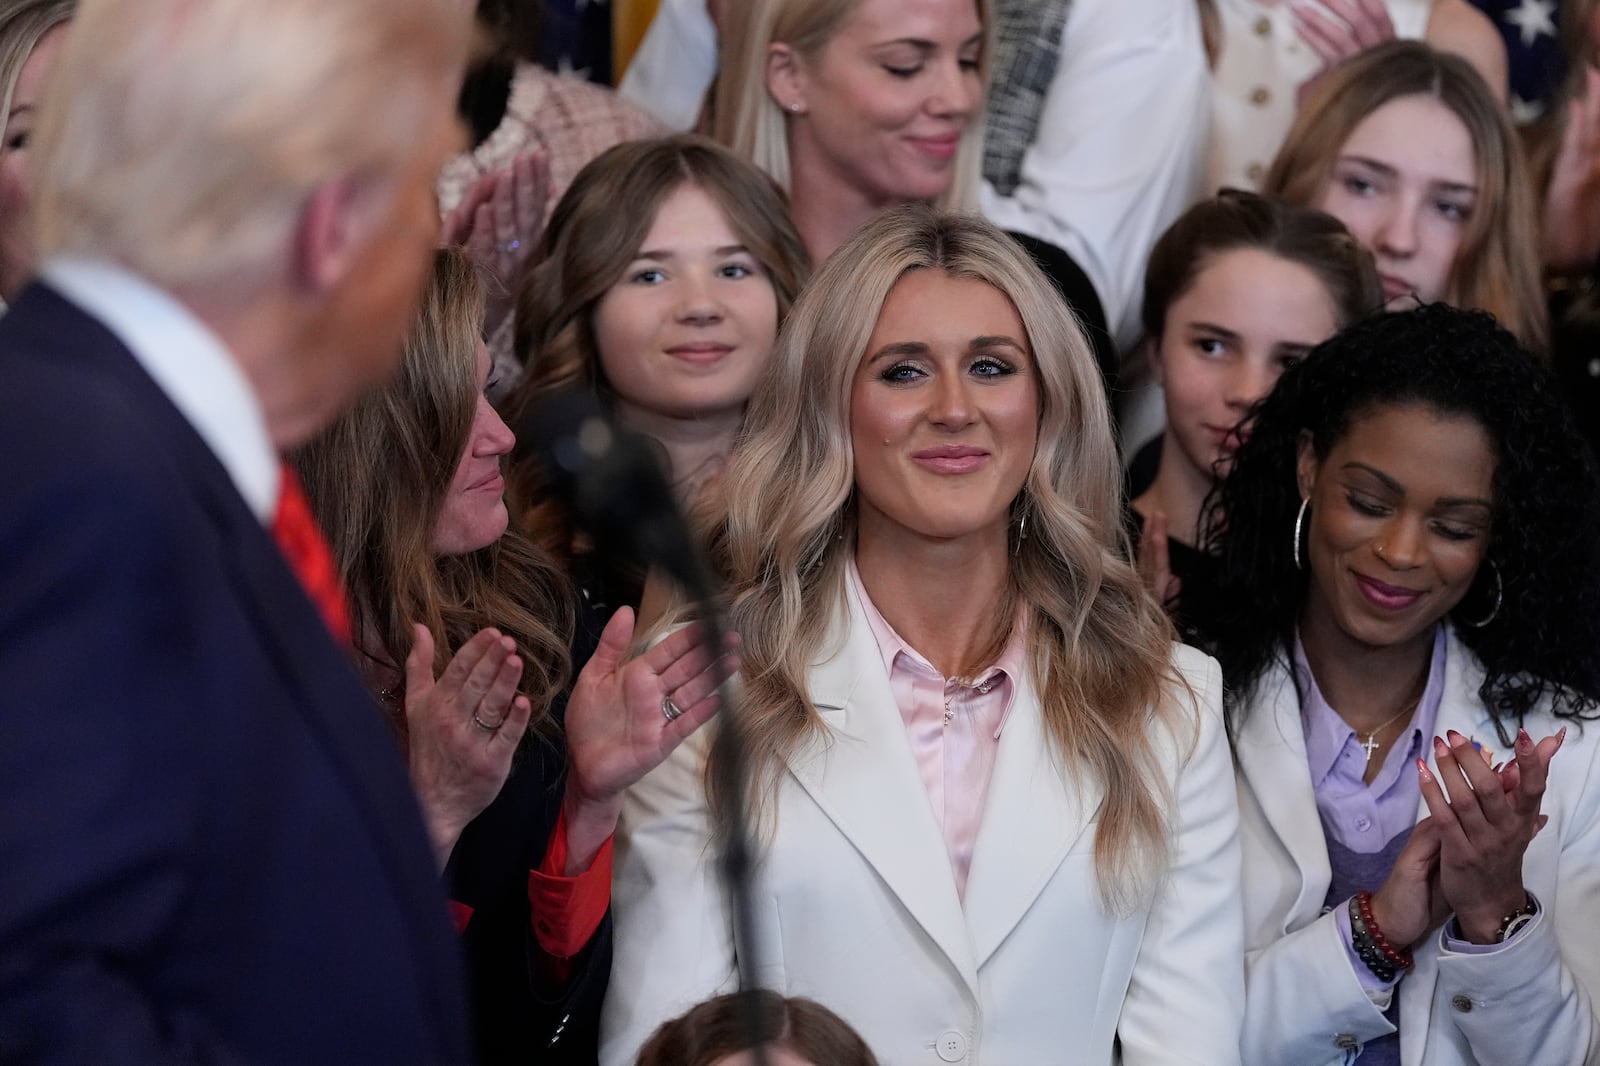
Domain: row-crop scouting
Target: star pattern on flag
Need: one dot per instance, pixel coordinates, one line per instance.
(1534, 18)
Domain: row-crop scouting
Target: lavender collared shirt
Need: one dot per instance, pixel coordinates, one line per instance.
(955, 757)
(1361, 816)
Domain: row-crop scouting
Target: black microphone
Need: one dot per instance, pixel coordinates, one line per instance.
(615, 484)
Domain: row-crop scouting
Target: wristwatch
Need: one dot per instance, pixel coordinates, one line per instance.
(1517, 919)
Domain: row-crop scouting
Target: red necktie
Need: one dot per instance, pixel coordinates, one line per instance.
(308, 555)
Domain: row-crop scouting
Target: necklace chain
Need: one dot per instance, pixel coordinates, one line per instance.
(1372, 744)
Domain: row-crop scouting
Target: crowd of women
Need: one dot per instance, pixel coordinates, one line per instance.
(1267, 737)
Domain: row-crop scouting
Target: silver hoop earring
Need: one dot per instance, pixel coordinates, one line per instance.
(1494, 612)
(1022, 533)
(1299, 524)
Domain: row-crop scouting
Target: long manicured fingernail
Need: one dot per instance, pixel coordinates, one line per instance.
(1423, 771)
(1561, 738)
(1456, 739)
(1524, 741)
(1440, 747)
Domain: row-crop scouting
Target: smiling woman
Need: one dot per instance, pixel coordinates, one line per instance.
(1409, 547)
(970, 734)
(854, 106)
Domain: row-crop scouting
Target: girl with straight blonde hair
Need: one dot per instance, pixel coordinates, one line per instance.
(854, 106)
(1409, 148)
(971, 736)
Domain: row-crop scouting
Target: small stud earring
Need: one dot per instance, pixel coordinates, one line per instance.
(795, 107)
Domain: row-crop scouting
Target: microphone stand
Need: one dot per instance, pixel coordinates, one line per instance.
(618, 491)
(733, 843)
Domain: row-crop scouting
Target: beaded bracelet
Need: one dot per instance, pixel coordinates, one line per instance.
(1361, 906)
(1367, 948)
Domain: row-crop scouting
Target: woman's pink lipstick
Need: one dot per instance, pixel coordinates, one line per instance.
(700, 352)
(951, 458)
(1388, 597)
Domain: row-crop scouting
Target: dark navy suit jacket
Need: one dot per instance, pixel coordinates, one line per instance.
(209, 849)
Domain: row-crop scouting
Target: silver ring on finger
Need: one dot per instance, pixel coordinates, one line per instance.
(671, 710)
(485, 726)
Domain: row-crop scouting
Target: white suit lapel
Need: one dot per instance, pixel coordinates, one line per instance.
(1032, 817)
(1271, 752)
(864, 777)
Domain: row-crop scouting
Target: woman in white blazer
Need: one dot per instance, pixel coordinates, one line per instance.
(1410, 542)
(996, 821)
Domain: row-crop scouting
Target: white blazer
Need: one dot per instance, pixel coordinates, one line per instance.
(1530, 1004)
(856, 905)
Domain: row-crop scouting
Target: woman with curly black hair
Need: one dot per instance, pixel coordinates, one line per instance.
(1409, 546)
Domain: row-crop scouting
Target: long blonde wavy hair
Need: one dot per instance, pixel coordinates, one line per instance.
(747, 119)
(782, 527)
(377, 480)
(1497, 266)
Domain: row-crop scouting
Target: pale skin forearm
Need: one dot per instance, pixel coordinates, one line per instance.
(590, 823)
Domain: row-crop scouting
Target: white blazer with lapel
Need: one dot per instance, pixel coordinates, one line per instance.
(1531, 1003)
(857, 906)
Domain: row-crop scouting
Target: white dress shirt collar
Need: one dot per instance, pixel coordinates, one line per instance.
(188, 362)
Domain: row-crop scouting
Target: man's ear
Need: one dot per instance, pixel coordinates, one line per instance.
(1305, 464)
(329, 234)
(785, 84)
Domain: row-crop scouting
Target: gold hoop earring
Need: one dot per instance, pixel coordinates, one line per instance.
(1299, 524)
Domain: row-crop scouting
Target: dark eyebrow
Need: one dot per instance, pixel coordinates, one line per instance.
(663, 253)
(1212, 327)
(1292, 348)
(896, 349)
(1388, 482)
(996, 341)
(1382, 168)
(1444, 501)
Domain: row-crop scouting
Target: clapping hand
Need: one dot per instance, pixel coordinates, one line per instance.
(1486, 819)
(1358, 25)
(500, 221)
(1572, 199)
(462, 729)
(626, 717)
(1155, 561)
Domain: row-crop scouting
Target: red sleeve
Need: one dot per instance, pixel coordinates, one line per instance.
(568, 910)
(460, 914)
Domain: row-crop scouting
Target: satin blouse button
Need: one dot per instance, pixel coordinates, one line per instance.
(1260, 95)
(951, 1045)
(1346, 1042)
(1462, 1004)
(1255, 171)
(1263, 26)
(1363, 824)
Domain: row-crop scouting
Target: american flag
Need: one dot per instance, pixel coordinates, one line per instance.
(1531, 29)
